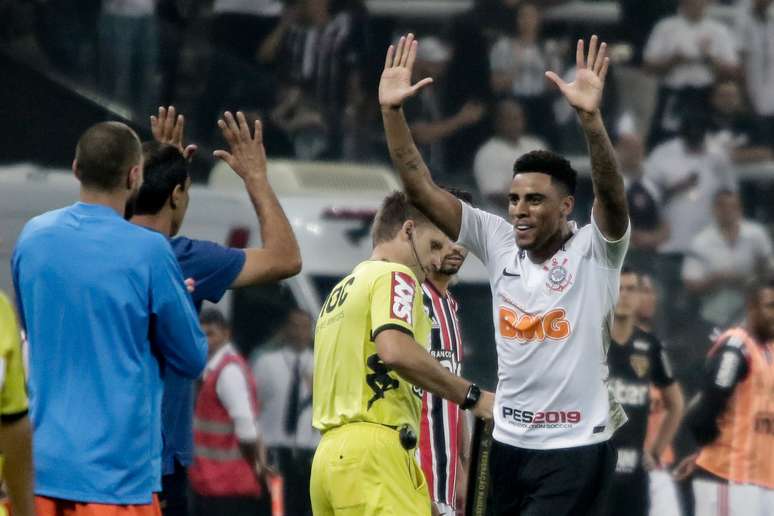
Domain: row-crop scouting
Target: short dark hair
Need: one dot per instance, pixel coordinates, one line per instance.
(550, 163)
(758, 284)
(628, 269)
(213, 316)
(394, 212)
(104, 155)
(165, 169)
(462, 195)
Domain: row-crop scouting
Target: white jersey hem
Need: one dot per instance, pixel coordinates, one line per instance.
(553, 444)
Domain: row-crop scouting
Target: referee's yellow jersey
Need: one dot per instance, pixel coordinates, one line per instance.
(351, 383)
(13, 394)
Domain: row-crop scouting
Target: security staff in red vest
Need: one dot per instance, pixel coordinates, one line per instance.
(228, 454)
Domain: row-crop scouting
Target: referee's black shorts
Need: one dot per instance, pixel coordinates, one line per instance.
(562, 482)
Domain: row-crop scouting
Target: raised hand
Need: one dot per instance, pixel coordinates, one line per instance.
(585, 92)
(395, 85)
(168, 128)
(247, 156)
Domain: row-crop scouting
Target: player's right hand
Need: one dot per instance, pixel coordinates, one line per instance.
(247, 156)
(485, 406)
(168, 128)
(395, 85)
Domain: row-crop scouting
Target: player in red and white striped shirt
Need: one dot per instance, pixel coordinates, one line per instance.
(443, 439)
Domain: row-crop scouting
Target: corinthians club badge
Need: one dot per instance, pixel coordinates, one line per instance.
(640, 364)
(559, 278)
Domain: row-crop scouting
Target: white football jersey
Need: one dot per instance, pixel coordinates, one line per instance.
(552, 323)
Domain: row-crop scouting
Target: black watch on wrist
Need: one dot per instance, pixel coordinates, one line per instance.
(471, 397)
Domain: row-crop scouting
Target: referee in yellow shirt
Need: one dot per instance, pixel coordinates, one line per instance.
(370, 367)
(15, 432)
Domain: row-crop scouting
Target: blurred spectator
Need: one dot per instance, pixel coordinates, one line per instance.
(323, 48)
(235, 77)
(732, 127)
(67, 32)
(129, 53)
(649, 229)
(664, 499)
(689, 173)
(228, 454)
(493, 165)
(174, 16)
(428, 125)
(646, 311)
(467, 81)
(301, 123)
(731, 420)
(284, 379)
(689, 51)
(722, 257)
(518, 65)
(636, 360)
(755, 34)
(637, 21)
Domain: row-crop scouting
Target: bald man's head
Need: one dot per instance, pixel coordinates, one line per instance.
(105, 154)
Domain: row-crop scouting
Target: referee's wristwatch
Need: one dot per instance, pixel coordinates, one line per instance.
(471, 397)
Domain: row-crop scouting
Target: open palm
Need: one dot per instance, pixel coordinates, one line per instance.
(395, 85)
(585, 92)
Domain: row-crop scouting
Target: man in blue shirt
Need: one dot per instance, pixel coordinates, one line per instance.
(105, 309)
(161, 206)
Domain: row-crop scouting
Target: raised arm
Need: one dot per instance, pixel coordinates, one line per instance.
(585, 95)
(280, 256)
(395, 87)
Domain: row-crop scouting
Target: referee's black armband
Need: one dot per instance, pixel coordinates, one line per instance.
(383, 327)
(7, 419)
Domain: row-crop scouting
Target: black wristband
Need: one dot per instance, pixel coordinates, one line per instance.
(471, 397)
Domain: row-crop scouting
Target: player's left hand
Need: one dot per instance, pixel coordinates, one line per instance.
(248, 155)
(485, 406)
(585, 92)
(395, 84)
(168, 128)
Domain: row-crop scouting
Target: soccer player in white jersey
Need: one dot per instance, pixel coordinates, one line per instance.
(554, 286)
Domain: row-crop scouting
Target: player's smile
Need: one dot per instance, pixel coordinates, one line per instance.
(524, 232)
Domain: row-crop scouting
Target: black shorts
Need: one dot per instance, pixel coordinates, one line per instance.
(562, 482)
(629, 495)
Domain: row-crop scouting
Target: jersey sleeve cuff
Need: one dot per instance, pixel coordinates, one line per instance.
(391, 326)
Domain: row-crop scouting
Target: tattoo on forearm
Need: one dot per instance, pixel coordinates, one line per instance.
(608, 183)
(408, 157)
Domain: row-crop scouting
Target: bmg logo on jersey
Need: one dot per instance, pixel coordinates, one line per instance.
(526, 328)
(544, 419)
(402, 297)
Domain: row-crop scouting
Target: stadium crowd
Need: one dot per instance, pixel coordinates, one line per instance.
(689, 103)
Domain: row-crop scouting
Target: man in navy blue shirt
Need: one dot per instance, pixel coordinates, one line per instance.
(161, 206)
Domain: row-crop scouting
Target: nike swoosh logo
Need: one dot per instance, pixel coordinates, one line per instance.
(506, 273)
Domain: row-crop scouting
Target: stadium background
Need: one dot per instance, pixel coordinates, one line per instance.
(62, 63)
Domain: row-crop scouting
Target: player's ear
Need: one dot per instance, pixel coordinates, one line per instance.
(567, 204)
(176, 196)
(134, 178)
(407, 230)
(75, 169)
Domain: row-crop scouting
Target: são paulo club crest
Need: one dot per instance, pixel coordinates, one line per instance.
(559, 278)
